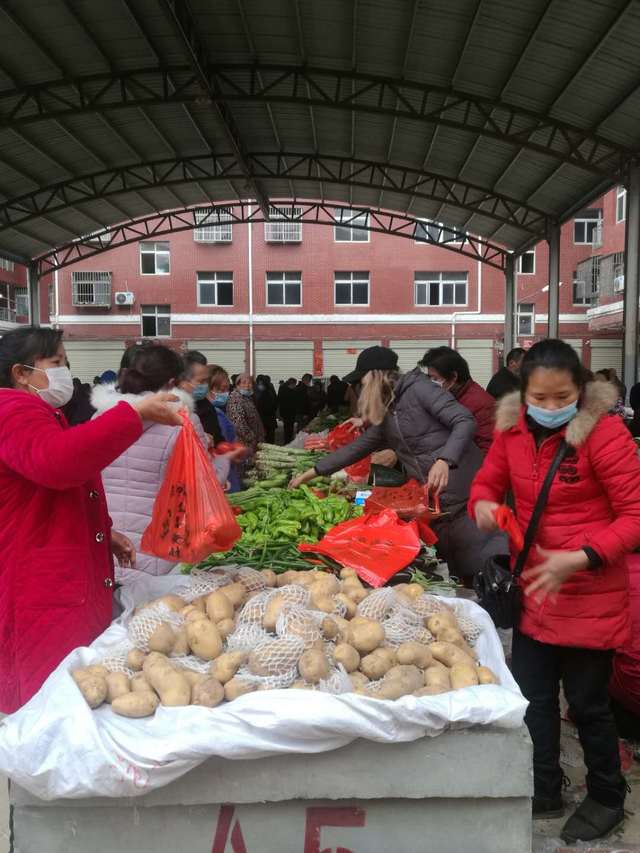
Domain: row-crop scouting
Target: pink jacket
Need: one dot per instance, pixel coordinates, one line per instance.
(132, 482)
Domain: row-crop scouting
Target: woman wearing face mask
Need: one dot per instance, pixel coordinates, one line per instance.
(195, 382)
(432, 436)
(449, 370)
(133, 480)
(575, 604)
(56, 541)
(217, 398)
(243, 414)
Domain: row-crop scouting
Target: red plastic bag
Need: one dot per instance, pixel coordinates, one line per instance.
(506, 521)
(376, 546)
(191, 516)
(339, 437)
(410, 501)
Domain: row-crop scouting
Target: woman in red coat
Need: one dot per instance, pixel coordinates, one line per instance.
(575, 603)
(56, 543)
(448, 369)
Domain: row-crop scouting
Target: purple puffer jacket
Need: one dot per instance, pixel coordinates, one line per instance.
(133, 481)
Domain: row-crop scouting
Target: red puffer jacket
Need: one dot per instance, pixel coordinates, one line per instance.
(56, 569)
(594, 501)
(483, 408)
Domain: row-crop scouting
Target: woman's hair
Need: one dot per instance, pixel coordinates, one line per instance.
(150, 369)
(448, 363)
(552, 354)
(26, 346)
(377, 395)
(216, 373)
(125, 361)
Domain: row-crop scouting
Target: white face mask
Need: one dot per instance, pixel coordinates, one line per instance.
(438, 382)
(60, 389)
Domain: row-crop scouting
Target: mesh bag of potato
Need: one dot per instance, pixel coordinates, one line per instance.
(144, 625)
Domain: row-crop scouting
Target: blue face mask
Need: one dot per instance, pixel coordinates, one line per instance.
(221, 399)
(200, 391)
(553, 418)
(245, 392)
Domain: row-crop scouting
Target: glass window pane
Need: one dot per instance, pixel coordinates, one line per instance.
(207, 293)
(461, 294)
(293, 277)
(421, 293)
(342, 234)
(162, 246)
(147, 263)
(164, 326)
(578, 232)
(343, 293)
(361, 293)
(149, 327)
(453, 276)
(292, 294)
(421, 230)
(162, 263)
(434, 293)
(447, 294)
(275, 293)
(225, 292)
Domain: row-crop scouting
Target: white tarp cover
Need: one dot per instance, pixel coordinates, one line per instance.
(56, 746)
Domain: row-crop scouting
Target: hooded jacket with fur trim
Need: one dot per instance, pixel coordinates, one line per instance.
(133, 480)
(594, 502)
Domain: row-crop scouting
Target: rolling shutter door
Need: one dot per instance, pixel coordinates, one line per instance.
(479, 356)
(576, 343)
(227, 354)
(340, 357)
(92, 358)
(606, 354)
(282, 359)
(411, 352)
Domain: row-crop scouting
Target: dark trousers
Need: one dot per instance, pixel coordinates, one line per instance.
(538, 668)
(289, 429)
(463, 546)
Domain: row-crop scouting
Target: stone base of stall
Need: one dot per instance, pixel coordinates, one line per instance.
(463, 791)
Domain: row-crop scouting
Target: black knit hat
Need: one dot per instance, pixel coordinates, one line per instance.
(372, 358)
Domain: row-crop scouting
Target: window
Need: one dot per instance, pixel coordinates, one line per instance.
(7, 303)
(284, 288)
(435, 232)
(91, 289)
(525, 319)
(351, 288)
(595, 274)
(440, 288)
(587, 227)
(581, 296)
(154, 258)
(527, 263)
(215, 288)
(7, 265)
(621, 204)
(156, 321)
(281, 228)
(618, 272)
(22, 301)
(215, 225)
(51, 296)
(351, 226)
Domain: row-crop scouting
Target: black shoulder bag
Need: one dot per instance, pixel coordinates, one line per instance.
(497, 587)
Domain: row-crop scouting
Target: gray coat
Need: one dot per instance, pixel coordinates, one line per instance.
(425, 423)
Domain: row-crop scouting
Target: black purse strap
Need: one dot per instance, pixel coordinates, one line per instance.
(539, 508)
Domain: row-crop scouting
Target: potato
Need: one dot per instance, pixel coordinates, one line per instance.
(437, 677)
(193, 677)
(487, 676)
(95, 669)
(162, 639)
(235, 592)
(424, 637)
(304, 626)
(365, 636)
(348, 603)
(226, 627)
(449, 654)
(237, 687)
(170, 601)
(194, 614)
(347, 656)
(313, 666)
(208, 693)
(269, 577)
(171, 686)
(274, 657)
(135, 659)
(329, 582)
(431, 690)
(414, 590)
(400, 681)
(285, 578)
(359, 680)
(453, 636)
(219, 607)
(439, 621)
(94, 690)
(225, 667)
(355, 593)
(139, 684)
(117, 685)
(181, 645)
(324, 603)
(329, 628)
(204, 639)
(200, 603)
(348, 572)
(378, 663)
(187, 610)
(272, 611)
(463, 675)
(414, 653)
(135, 704)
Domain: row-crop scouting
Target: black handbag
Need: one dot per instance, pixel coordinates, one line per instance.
(496, 586)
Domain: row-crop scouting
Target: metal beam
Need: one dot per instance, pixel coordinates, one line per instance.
(553, 320)
(314, 213)
(33, 284)
(509, 306)
(631, 280)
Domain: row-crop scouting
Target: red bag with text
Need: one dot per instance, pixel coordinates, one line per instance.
(191, 515)
(342, 435)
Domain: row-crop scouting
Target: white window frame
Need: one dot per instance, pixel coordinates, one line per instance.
(621, 202)
(438, 231)
(270, 279)
(618, 272)
(21, 294)
(51, 299)
(351, 278)
(7, 302)
(215, 279)
(428, 278)
(586, 221)
(520, 315)
(7, 265)
(283, 227)
(155, 251)
(586, 300)
(213, 225)
(91, 289)
(157, 312)
(520, 257)
(353, 229)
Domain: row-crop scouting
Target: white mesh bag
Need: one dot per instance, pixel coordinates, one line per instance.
(251, 579)
(275, 657)
(428, 605)
(269, 682)
(297, 621)
(402, 625)
(246, 637)
(193, 663)
(144, 623)
(337, 681)
(253, 611)
(377, 604)
(117, 661)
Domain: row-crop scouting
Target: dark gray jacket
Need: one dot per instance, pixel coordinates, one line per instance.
(424, 424)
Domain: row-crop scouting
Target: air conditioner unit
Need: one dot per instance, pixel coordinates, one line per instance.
(123, 297)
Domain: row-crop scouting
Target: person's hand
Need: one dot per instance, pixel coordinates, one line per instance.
(355, 423)
(438, 478)
(236, 455)
(154, 407)
(301, 479)
(485, 518)
(549, 575)
(123, 549)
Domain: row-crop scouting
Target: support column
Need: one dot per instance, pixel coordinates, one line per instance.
(553, 320)
(34, 293)
(631, 279)
(509, 306)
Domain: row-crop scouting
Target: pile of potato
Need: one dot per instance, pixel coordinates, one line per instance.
(311, 626)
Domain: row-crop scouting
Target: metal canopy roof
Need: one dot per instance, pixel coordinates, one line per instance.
(492, 116)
